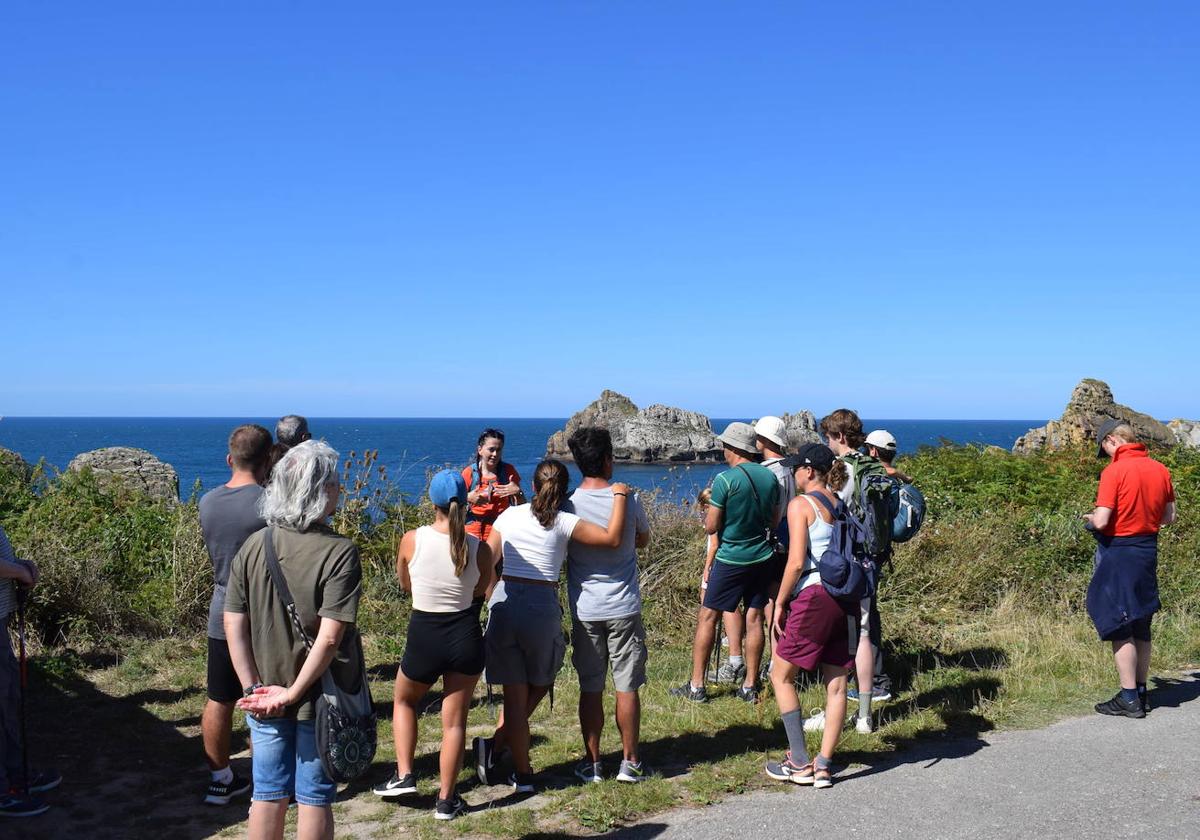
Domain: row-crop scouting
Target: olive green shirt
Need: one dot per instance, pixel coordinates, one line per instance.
(323, 572)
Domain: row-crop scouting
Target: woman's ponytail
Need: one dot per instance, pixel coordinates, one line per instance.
(550, 490)
(458, 536)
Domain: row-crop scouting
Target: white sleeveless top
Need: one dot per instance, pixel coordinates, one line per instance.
(435, 588)
(819, 534)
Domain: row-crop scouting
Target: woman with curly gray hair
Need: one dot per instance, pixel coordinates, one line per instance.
(279, 676)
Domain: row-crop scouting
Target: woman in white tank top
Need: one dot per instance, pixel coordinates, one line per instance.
(447, 571)
(810, 627)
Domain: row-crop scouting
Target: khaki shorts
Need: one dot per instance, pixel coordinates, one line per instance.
(619, 642)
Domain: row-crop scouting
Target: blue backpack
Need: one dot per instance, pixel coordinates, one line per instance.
(847, 572)
(910, 512)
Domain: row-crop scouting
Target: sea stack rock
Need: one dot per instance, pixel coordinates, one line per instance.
(656, 434)
(13, 464)
(1091, 404)
(1187, 432)
(135, 469)
(801, 429)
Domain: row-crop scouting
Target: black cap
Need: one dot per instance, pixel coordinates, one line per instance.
(816, 455)
(1106, 429)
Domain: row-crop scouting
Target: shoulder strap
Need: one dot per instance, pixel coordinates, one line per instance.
(754, 490)
(829, 506)
(281, 586)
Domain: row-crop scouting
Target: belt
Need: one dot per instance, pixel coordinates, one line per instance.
(553, 584)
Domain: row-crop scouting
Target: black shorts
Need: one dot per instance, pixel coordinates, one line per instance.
(730, 585)
(443, 643)
(1137, 630)
(223, 683)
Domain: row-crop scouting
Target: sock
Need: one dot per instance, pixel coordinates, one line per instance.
(1141, 690)
(864, 704)
(223, 777)
(735, 661)
(793, 725)
(1129, 695)
(821, 762)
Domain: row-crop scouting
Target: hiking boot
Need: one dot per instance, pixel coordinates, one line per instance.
(1121, 708)
(448, 809)
(748, 693)
(633, 771)
(729, 673)
(521, 782)
(396, 786)
(219, 793)
(688, 692)
(13, 804)
(590, 772)
(784, 770)
(815, 722)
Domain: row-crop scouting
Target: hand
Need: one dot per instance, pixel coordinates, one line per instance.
(779, 621)
(25, 577)
(506, 490)
(621, 487)
(1088, 522)
(474, 496)
(33, 570)
(266, 701)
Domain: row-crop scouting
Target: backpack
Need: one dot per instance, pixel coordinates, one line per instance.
(874, 502)
(910, 512)
(847, 572)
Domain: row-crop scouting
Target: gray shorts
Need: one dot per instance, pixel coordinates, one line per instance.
(524, 640)
(620, 642)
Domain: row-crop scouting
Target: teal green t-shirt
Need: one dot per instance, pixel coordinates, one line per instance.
(743, 530)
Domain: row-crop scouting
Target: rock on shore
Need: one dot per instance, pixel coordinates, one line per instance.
(660, 433)
(1091, 404)
(12, 462)
(136, 469)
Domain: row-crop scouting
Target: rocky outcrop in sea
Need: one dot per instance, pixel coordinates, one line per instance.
(133, 468)
(1091, 404)
(12, 462)
(661, 434)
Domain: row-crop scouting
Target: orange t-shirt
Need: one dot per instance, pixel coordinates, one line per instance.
(1137, 489)
(491, 508)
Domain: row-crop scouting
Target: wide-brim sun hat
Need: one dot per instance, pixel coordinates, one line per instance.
(739, 436)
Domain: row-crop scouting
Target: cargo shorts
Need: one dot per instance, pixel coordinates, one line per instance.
(616, 642)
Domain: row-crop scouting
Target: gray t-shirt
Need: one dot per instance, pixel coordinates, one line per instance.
(602, 583)
(228, 515)
(787, 485)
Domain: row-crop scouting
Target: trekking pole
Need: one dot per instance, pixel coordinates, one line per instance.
(21, 595)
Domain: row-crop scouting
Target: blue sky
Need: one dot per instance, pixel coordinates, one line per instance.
(917, 210)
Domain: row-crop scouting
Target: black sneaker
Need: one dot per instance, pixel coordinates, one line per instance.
(12, 804)
(687, 692)
(396, 786)
(748, 693)
(448, 809)
(1121, 708)
(44, 780)
(1144, 699)
(220, 793)
(482, 748)
(521, 782)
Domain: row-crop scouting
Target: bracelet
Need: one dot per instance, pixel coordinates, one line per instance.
(253, 687)
(620, 494)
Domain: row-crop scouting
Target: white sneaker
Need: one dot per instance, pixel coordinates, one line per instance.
(815, 722)
(862, 725)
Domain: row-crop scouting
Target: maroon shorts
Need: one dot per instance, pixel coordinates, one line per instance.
(817, 631)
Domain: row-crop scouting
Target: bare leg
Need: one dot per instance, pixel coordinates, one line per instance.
(314, 822)
(405, 696)
(216, 729)
(735, 629)
(783, 675)
(706, 630)
(629, 722)
(755, 642)
(591, 722)
(1126, 656)
(455, 704)
(835, 706)
(1143, 661)
(864, 670)
(536, 693)
(266, 820)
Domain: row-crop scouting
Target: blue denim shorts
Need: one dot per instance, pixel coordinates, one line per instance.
(286, 762)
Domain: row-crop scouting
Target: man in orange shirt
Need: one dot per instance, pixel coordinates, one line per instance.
(1134, 500)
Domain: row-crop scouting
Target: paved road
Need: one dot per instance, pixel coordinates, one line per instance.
(1095, 777)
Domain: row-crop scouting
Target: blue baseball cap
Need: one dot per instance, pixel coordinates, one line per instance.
(446, 486)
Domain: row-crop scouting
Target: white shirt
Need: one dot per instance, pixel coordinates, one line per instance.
(531, 551)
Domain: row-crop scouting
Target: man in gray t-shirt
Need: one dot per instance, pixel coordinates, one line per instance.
(606, 609)
(228, 515)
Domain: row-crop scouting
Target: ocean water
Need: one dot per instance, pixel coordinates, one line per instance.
(408, 447)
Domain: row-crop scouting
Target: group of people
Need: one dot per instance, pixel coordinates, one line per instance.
(769, 517)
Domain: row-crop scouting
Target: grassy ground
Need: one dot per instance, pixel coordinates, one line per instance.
(134, 718)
